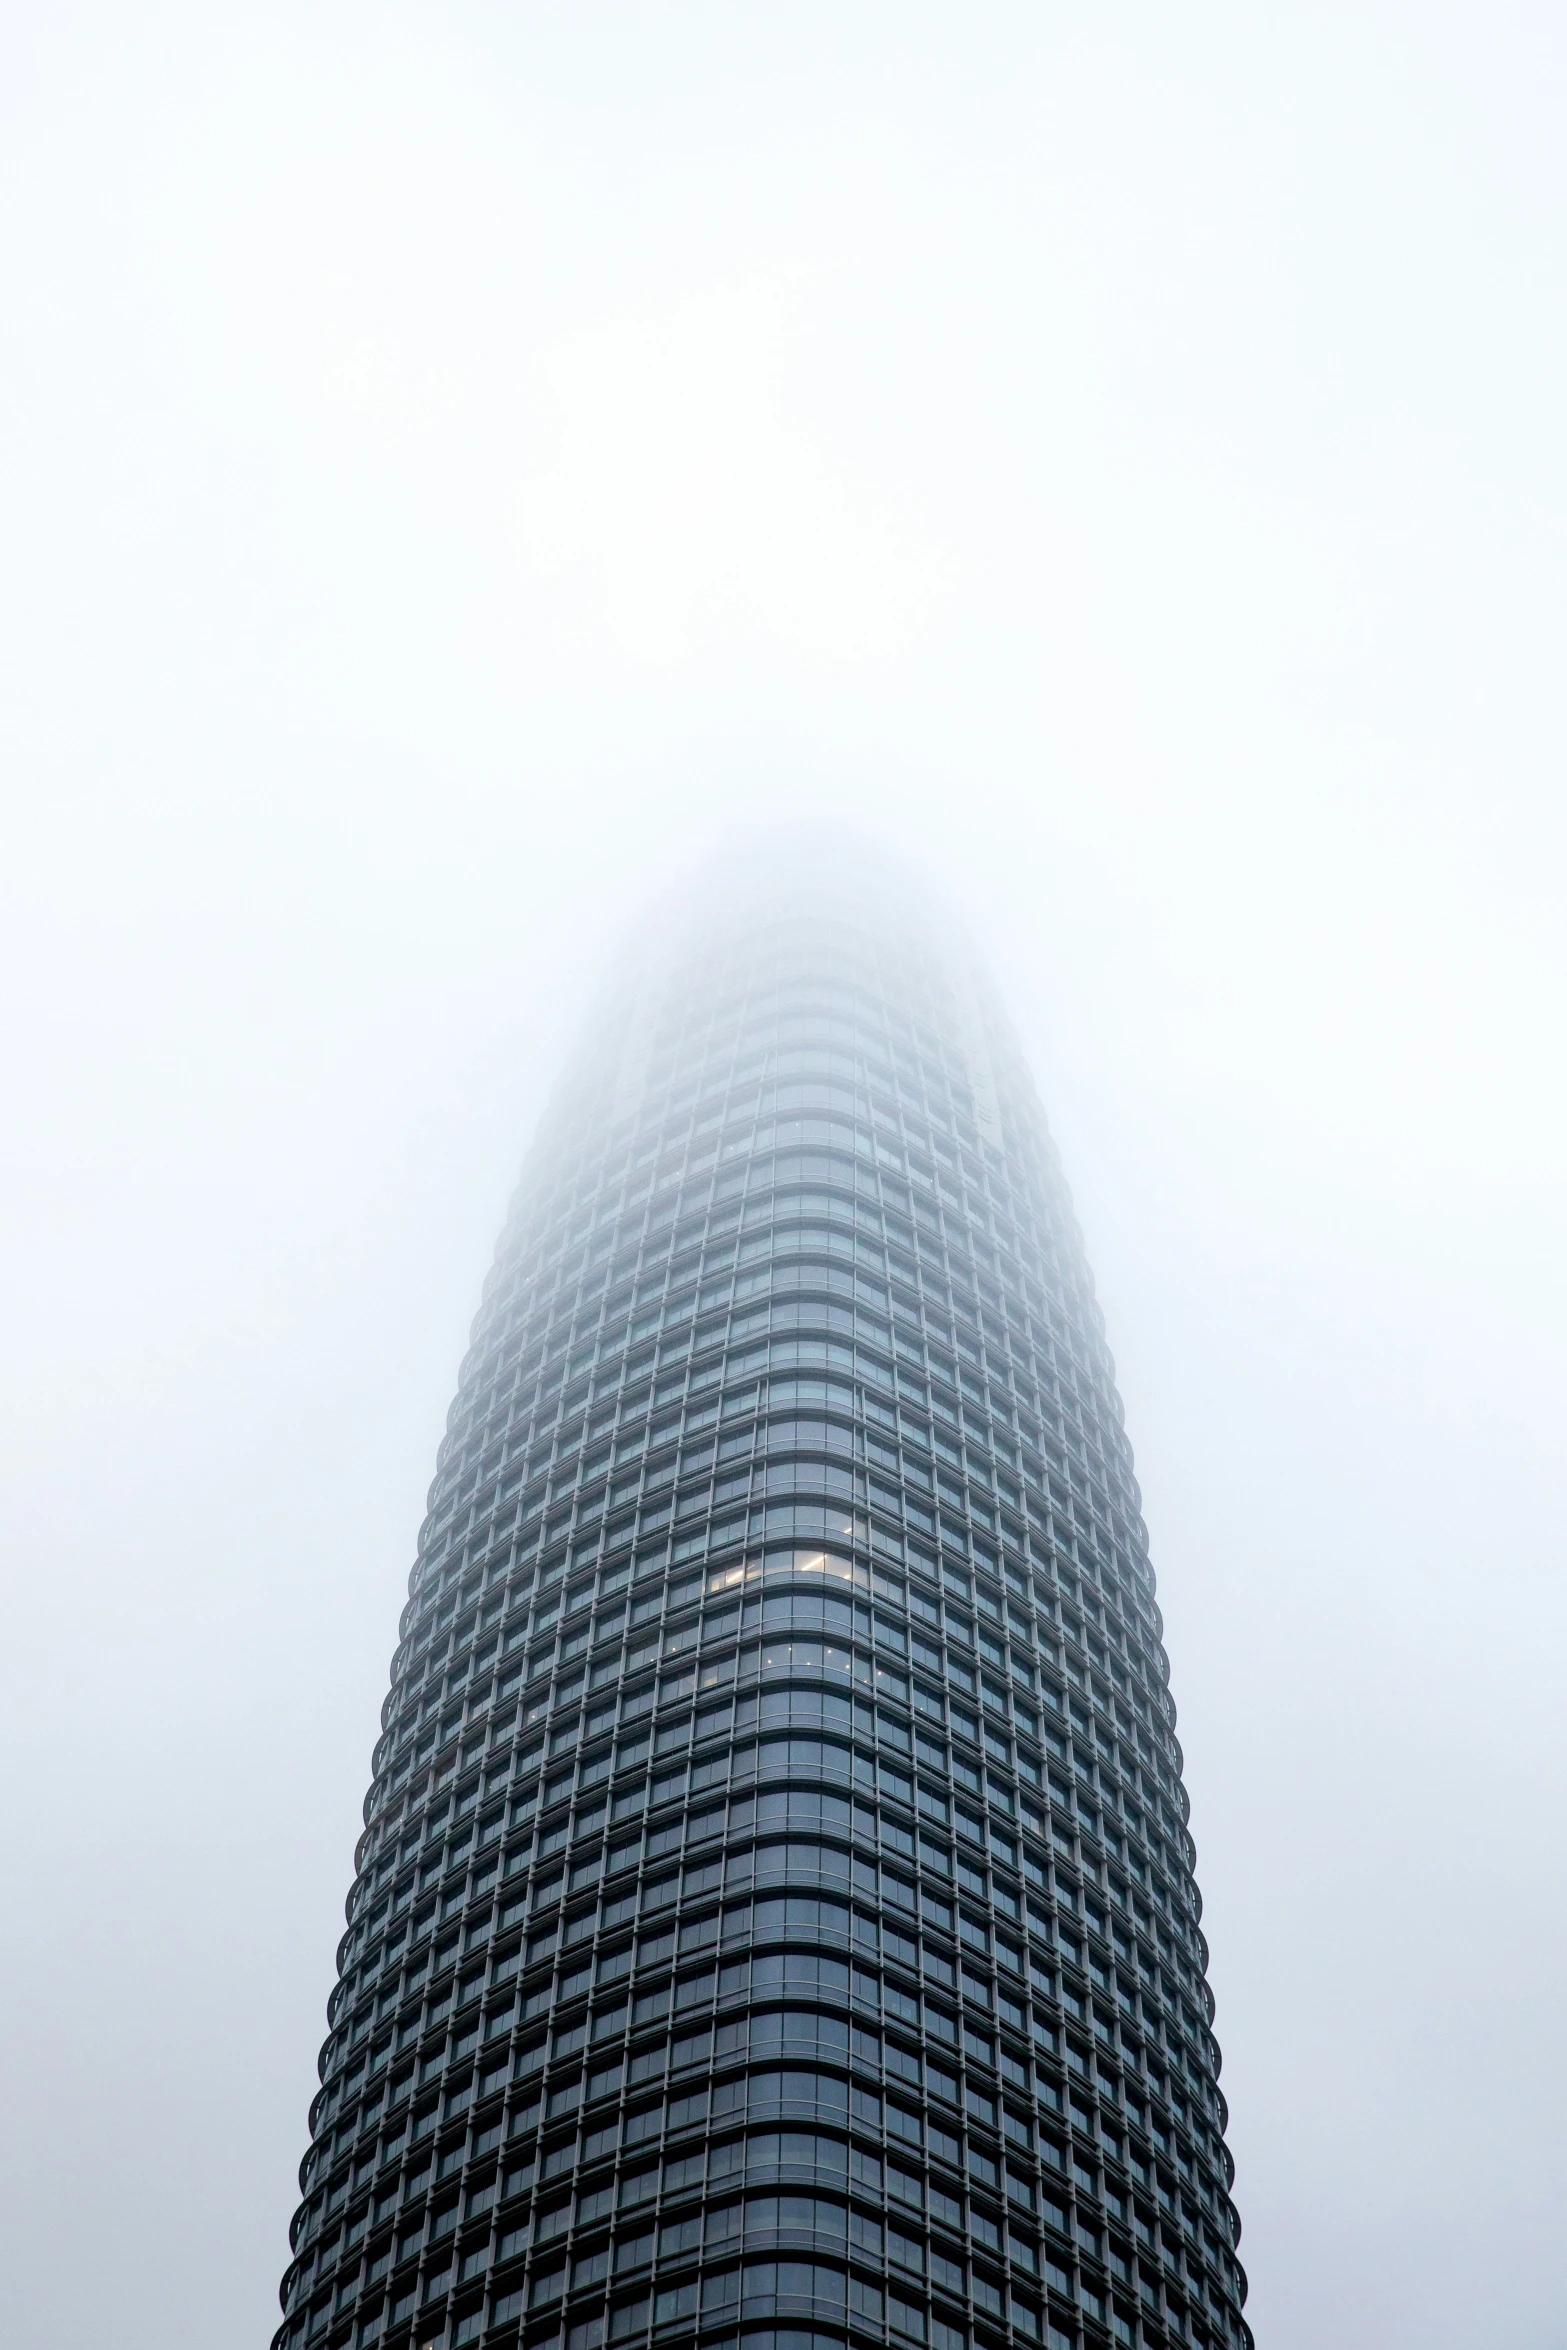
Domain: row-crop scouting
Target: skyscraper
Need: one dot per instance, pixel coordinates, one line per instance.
(774, 1924)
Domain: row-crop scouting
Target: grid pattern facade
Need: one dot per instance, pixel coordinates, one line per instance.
(774, 1921)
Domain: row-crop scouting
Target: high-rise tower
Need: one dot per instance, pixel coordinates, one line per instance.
(774, 1922)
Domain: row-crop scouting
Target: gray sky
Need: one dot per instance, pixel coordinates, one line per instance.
(458, 465)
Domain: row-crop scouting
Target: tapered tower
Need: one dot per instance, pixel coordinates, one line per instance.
(775, 1921)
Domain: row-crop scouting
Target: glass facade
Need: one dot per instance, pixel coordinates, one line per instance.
(774, 1921)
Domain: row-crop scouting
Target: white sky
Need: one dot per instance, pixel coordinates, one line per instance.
(458, 465)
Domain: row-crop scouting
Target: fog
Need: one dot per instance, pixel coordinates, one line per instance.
(460, 469)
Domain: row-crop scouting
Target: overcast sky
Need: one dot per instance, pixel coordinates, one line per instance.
(457, 466)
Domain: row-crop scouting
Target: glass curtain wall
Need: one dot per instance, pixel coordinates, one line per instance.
(775, 1920)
